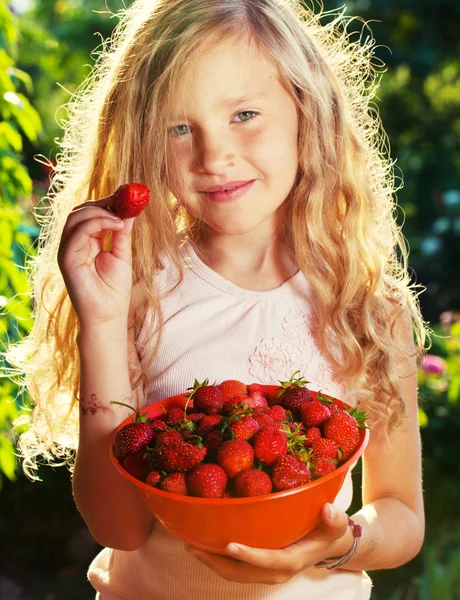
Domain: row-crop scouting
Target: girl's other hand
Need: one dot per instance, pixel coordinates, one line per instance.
(331, 538)
(98, 281)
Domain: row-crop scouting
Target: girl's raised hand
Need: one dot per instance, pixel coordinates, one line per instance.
(331, 538)
(98, 281)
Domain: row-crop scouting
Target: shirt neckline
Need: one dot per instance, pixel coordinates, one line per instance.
(201, 269)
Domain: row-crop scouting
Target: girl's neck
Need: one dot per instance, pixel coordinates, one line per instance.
(256, 260)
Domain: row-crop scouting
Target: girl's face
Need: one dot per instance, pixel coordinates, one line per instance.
(233, 122)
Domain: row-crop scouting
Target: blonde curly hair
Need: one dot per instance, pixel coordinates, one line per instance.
(353, 253)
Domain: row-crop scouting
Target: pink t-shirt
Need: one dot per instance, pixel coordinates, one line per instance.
(215, 329)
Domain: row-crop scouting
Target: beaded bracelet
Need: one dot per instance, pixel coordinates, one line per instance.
(357, 531)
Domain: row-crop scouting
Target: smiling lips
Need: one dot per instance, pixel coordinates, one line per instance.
(228, 192)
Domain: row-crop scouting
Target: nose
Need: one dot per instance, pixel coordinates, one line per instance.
(214, 151)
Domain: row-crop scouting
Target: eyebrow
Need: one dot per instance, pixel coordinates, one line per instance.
(233, 102)
(245, 99)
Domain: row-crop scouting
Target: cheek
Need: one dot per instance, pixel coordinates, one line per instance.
(274, 151)
(176, 160)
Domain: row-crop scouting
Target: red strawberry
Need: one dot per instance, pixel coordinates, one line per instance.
(295, 395)
(252, 482)
(277, 413)
(334, 408)
(195, 417)
(153, 478)
(313, 433)
(343, 429)
(175, 483)
(244, 428)
(264, 419)
(213, 440)
(207, 481)
(270, 443)
(168, 436)
(235, 405)
(325, 448)
(232, 387)
(131, 438)
(187, 435)
(207, 424)
(314, 413)
(134, 436)
(174, 415)
(206, 398)
(295, 398)
(257, 400)
(178, 455)
(130, 200)
(289, 472)
(158, 425)
(323, 466)
(256, 390)
(235, 456)
(137, 465)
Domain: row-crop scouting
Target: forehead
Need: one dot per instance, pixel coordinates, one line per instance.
(224, 74)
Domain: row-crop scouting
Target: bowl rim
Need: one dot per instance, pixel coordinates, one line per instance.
(346, 466)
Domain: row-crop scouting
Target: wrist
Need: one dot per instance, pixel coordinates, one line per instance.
(333, 562)
(102, 335)
(340, 546)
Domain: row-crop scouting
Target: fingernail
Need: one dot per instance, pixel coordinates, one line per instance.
(233, 549)
(332, 512)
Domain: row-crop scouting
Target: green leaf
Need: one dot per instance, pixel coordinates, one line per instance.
(21, 76)
(14, 178)
(8, 32)
(9, 137)
(17, 277)
(26, 116)
(7, 458)
(453, 391)
(422, 418)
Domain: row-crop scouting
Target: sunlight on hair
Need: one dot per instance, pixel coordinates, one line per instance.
(342, 209)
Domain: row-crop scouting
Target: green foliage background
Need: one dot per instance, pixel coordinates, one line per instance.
(44, 55)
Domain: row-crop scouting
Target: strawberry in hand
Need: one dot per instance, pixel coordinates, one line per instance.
(129, 200)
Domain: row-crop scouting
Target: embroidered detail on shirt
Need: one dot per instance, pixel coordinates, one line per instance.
(276, 359)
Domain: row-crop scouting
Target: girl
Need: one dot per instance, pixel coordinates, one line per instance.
(295, 266)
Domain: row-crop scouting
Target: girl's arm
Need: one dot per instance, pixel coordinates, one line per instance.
(111, 507)
(393, 516)
(99, 283)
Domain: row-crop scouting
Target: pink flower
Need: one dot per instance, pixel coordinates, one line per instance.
(433, 364)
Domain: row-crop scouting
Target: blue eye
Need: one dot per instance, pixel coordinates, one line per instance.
(247, 112)
(175, 130)
(181, 130)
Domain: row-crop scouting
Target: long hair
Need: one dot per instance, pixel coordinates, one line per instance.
(341, 209)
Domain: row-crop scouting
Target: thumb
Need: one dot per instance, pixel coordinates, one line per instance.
(335, 521)
(122, 241)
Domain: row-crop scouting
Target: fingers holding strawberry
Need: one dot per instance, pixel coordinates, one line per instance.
(97, 274)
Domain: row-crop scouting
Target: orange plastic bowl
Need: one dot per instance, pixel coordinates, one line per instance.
(274, 520)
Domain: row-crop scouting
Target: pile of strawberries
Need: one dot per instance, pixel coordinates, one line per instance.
(237, 441)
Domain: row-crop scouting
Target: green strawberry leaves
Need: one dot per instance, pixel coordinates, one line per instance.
(360, 417)
(285, 385)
